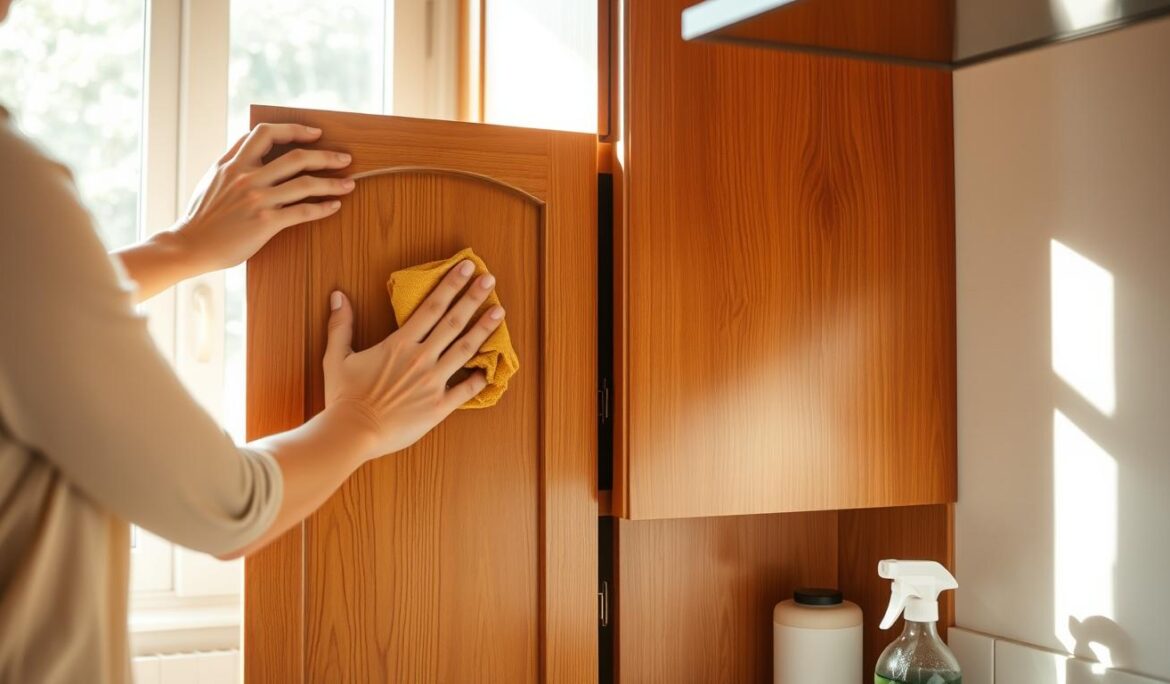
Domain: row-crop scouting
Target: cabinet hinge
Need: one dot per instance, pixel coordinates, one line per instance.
(603, 604)
(603, 401)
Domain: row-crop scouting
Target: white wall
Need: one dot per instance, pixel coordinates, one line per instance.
(1063, 234)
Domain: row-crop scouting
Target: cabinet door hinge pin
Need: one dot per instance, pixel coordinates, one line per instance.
(603, 604)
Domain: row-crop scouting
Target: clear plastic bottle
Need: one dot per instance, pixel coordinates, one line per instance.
(919, 656)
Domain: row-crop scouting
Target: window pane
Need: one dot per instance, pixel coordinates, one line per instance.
(306, 53)
(302, 53)
(71, 74)
(540, 64)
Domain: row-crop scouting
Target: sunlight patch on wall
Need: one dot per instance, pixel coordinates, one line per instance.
(1085, 515)
(1082, 327)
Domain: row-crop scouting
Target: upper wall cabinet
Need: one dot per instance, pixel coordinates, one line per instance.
(472, 555)
(938, 33)
(785, 329)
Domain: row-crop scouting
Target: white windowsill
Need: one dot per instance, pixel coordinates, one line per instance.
(164, 623)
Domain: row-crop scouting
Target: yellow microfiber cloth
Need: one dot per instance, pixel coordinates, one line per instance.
(409, 287)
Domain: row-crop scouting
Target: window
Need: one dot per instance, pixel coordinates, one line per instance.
(71, 74)
(307, 53)
(553, 44)
(140, 97)
(301, 53)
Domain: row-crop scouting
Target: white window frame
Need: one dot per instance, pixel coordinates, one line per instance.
(186, 601)
(182, 600)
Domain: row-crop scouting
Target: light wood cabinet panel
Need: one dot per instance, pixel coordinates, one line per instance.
(277, 314)
(695, 597)
(472, 555)
(787, 333)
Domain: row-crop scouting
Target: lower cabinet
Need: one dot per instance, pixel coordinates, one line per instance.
(691, 599)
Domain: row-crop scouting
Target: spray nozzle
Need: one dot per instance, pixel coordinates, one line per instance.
(916, 587)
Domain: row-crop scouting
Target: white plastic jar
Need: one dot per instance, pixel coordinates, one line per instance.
(816, 637)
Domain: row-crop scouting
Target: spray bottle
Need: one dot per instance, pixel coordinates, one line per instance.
(919, 656)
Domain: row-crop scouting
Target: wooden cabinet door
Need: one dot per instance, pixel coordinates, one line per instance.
(787, 336)
(471, 556)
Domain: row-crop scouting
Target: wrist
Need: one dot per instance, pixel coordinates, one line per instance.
(353, 427)
(173, 247)
(177, 241)
(157, 263)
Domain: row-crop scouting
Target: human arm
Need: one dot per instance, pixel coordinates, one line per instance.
(82, 384)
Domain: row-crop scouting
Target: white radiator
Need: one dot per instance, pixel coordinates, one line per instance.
(203, 667)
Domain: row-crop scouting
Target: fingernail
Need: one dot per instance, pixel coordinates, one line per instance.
(313, 129)
(343, 157)
(466, 268)
(334, 205)
(347, 184)
(487, 281)
(335, 300)
(497, 313)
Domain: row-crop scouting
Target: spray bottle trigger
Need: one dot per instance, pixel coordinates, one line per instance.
(897, 604)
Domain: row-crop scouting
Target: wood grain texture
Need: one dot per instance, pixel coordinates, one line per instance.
(469, 75)
(472, 555)
(789, 241)
(870, 535)
(919, 30)
(695, 596)
(569, 425)
(434, 551)
(273, 599)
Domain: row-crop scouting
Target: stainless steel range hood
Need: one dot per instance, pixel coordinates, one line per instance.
(941, 33)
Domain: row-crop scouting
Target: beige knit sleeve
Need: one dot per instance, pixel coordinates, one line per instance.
(83, 385)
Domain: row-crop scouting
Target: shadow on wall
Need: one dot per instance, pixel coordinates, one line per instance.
(1062, 161)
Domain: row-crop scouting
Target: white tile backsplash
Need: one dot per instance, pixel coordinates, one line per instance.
(976, 654)
(1019, 664)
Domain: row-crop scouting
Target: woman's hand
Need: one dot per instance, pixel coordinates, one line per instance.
(398, 388)
(242, 202)
(383, 399)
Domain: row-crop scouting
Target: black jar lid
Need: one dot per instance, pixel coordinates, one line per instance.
(817, 596)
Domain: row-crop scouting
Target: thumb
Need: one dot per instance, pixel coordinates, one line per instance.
(337, 345)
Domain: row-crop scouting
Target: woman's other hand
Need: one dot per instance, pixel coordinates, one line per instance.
(397, 389)
(241, 203)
